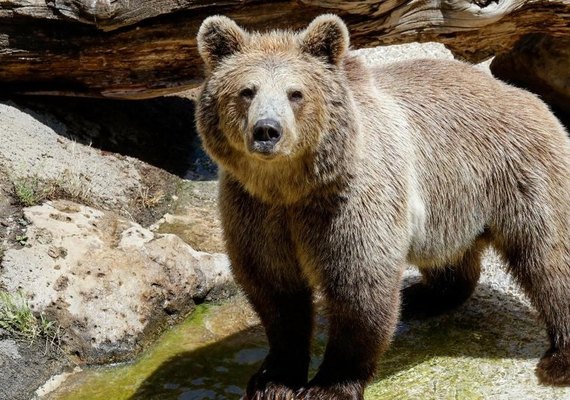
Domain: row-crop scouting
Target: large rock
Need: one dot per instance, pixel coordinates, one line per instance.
(194, 217)
(121, 156)
(33, 149)
(110, 283)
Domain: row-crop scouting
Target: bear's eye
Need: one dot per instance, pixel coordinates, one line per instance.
(296, 96)
(247, 93)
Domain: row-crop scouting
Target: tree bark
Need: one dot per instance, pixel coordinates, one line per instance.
(147, 48)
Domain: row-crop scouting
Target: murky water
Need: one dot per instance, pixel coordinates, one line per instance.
(486, 349)
(209, 356)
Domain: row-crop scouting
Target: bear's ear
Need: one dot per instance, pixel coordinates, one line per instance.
(219, 37)
(326, 37)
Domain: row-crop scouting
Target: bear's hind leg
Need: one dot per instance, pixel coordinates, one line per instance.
(444, 288)
(543, 271)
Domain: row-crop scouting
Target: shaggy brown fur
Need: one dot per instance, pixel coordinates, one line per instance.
(360, 172)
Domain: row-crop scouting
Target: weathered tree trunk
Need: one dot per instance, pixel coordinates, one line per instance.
(146, 48)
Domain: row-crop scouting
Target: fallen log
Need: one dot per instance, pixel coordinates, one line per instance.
(147, 48)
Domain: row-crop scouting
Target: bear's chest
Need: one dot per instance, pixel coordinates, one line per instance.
(345, 236)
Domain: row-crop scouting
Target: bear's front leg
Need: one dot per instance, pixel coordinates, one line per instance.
(283, 302)
(358, 263)
(265, 266)
(287, 319)
(363, 316)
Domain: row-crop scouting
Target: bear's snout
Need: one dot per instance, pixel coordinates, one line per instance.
(267, 130)
(266, 133)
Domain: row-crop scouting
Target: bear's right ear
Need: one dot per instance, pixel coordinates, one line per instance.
(219, 37)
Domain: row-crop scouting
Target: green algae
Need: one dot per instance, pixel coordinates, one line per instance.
(465, 355)
(195, 360)
(437, 362)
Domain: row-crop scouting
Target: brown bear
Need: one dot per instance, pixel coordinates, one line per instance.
(335, 176)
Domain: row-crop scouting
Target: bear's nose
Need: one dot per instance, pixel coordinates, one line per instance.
(267, 130)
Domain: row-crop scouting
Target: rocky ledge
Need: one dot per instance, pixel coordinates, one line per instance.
(110, 283)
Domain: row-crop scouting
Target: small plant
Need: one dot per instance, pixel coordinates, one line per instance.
(29, 191)
(22, 239)
(148, 198)
(18, 319)
(71, 184)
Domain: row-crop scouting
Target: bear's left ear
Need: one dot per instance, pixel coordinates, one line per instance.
(326, 37)
(219, 37)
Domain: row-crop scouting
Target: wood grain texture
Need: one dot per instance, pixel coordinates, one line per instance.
(146, 48)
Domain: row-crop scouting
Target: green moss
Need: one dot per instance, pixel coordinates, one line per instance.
(213, 353)
(189, 358)
(439, 361)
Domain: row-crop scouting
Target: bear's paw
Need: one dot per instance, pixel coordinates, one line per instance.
(271, 391)
(337, 392)
(554, 368)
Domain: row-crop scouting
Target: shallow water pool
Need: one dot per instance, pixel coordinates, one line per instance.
(486, 349)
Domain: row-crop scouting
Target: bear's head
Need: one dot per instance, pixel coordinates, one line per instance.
(274, 101)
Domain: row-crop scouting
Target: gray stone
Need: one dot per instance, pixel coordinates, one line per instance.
(30, 148)
(25, 366)
(401, 52)
(9, 348)
(110, 283)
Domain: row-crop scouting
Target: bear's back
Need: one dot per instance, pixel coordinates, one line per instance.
(438, 94)
(477, 142)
